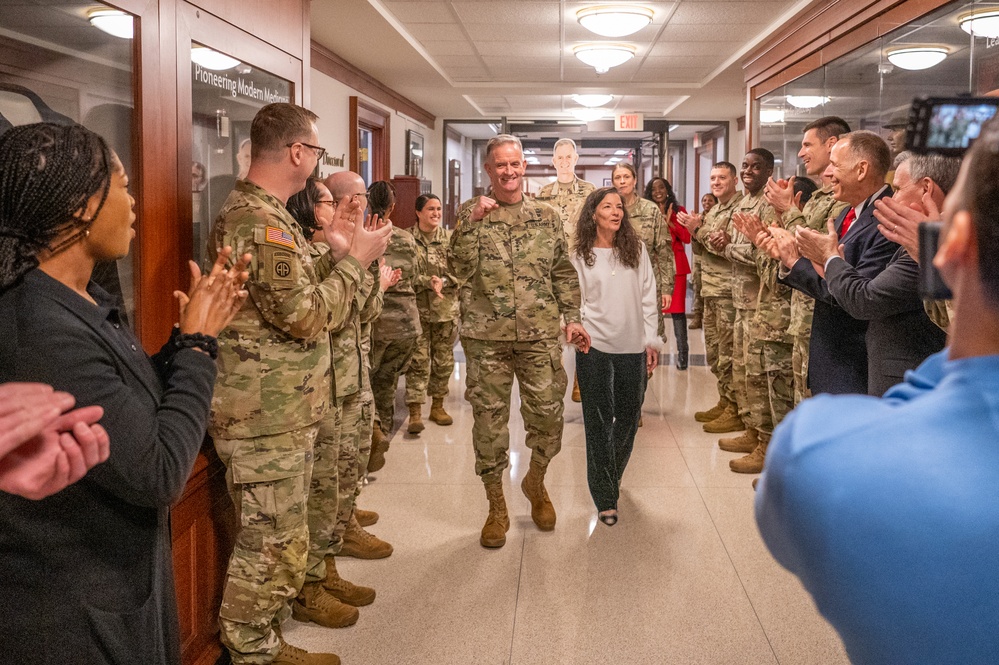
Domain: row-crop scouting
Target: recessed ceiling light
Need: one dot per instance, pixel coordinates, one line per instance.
(620, 152)
(980, 23)
(915, 58)
(604, 56)
(592, 100)
(212, 59)
(588, 115)
(112, 21)
(614, 20)
(806, 101)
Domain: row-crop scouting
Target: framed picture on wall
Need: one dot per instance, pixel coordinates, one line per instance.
(414, 153)
(607, 182)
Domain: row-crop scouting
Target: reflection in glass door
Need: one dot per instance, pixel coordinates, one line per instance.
(365, 141)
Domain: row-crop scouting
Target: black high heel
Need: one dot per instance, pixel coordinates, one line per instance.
(609, 520)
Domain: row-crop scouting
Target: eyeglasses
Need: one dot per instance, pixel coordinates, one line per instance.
(320, 151)
(331, 204)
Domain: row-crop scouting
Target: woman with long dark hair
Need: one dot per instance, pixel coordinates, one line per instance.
(621, 312)
(87, 573)
(660, 192)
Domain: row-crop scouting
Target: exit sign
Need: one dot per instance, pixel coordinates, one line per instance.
(629, 122)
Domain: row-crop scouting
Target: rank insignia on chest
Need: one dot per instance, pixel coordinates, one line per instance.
(277, 236)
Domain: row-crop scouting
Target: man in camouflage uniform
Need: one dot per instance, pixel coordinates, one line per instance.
(510, 255)
(816, 146)
(274, 388)
(567, 195)
(437, 300)
(716, 291)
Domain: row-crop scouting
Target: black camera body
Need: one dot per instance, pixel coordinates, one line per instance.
(947, 125)
(931, 285)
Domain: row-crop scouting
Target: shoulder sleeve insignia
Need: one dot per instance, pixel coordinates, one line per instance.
(276, 236)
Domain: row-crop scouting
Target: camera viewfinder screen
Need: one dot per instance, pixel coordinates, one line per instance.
(957, 125)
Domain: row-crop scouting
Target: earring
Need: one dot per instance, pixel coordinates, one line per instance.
(86, 233)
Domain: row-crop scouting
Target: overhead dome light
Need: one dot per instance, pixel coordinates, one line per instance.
(212, 59)
(771, 116)
(614, 20)
(112, 21)
(915, 58)
(980, 23)
(588, 115)
(604, 56)
(806, 101)
(591, 101)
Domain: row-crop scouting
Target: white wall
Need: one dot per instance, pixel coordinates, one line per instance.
(331, 102)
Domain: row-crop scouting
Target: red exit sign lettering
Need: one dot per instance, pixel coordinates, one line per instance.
(629, 122)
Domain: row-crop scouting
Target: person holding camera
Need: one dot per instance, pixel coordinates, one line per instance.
(897, 546)
(899, 333)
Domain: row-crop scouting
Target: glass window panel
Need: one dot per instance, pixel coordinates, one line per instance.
(56, 66)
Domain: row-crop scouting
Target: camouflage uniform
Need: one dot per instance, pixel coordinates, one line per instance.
(433, 358)
(695, 277)
(568, 200)
(516, 280)
(819, 208)
(745, 294)
(716, 291)
(395, 331)
(272, 391)
(366, 401)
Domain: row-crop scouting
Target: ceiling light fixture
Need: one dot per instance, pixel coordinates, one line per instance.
(591, 101)
(614, 20)
(806, 101)
(980, 23)
(587, 115)
(771, 116)
(915, 58)
(212, 59)
(604, 56)
(112, 21)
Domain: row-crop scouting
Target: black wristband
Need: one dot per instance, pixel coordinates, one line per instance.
(206, 343)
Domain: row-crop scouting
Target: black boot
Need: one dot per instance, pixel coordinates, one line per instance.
(680, 331)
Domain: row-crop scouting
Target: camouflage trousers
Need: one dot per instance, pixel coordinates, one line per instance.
(433, 362)
(769, 385)
(695, 280)
(799, 363)
(350, 470)
(389, 360)
(490, 369)
(268, 479)
(719, 321)
(742, 338)
(324, 494)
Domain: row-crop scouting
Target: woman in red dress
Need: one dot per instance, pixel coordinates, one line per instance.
(660, 192)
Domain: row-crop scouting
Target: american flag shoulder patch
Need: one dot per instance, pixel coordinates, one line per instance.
(277, 236)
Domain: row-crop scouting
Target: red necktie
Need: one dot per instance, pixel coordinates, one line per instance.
(851, 215)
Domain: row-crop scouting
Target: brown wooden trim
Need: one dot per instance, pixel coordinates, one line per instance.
(379, 121)
(329, 63)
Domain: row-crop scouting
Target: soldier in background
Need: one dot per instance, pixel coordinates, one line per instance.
(566, 195)
(274, 388)
(509, 254)
(708, 201)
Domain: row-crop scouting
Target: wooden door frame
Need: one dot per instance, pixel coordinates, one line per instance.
(378, 121)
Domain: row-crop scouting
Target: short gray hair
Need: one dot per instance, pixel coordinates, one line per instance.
(562, 142)
(941, 170)
(501, 139)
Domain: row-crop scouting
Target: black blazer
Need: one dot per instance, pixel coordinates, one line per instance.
(86, 574)
(837, 356)
(900, 335)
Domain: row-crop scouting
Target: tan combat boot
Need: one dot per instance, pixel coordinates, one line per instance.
(576, 397)
(317, 605)
(438, 414)
(696, 321)
(712, 413)
(498, 521)
(744, 443)
(360, 544)
(533, 486)
(289, 655)
(728, 421)
(379, 446)
(344, 591)
(415, 418)
(753, 462)
(365, 517)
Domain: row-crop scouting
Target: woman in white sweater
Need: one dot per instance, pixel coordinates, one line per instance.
(620, 311)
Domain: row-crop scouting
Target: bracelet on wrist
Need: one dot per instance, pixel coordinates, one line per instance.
(206, 343)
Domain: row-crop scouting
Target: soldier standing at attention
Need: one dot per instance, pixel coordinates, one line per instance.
(510, 256)
(274, 388)
(566, 195)
(437, 300)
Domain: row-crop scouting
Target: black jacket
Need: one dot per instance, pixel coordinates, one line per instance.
(87, 575)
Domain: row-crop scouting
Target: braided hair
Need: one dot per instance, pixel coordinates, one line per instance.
(48, 174)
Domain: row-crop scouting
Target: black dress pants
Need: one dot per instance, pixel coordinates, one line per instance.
(612, 386)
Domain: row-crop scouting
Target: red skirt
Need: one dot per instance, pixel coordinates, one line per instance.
(679, 303)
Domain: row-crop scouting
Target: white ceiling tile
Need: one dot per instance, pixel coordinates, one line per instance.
(503, 33)
(678, 75)
(519, 49)
(523, 75)
(521, 61)
(421, 12)
(516, 13)
(707, 33)
(674, 48)
(448, 61)
(449, 32)
(449, 48)
(751, 14)
(682, 62)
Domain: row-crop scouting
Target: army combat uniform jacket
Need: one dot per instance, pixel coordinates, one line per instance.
(400, 318)
(432, 249)
(716, 270)
(568, 201)
(514, 270)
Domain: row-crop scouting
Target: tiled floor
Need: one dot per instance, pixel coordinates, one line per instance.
(682, 578)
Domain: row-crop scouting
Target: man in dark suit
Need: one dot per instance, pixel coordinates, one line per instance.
(900, 335)
(837, 361)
